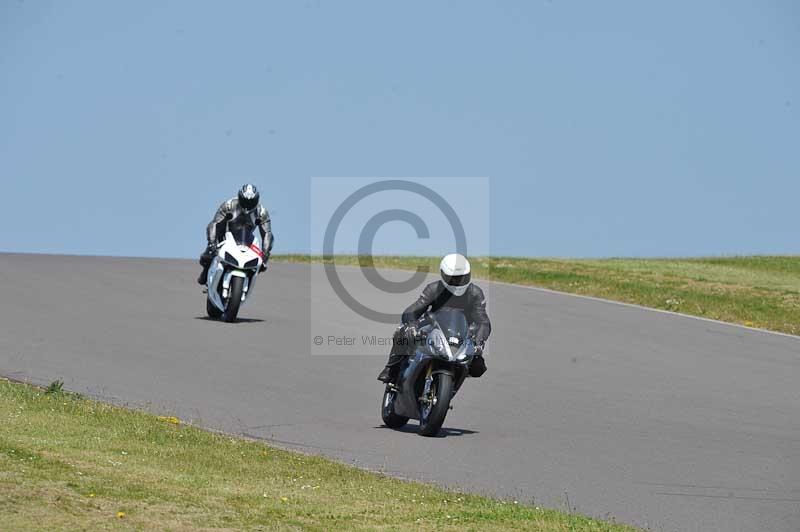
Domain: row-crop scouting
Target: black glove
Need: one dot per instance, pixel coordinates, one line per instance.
(411, 334)
(264, 261)
(477, 367)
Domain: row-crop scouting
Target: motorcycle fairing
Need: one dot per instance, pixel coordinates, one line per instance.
(412, 372)
(220, 272)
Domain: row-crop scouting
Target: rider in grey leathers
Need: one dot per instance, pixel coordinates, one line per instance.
(245, 203)
(455, 290)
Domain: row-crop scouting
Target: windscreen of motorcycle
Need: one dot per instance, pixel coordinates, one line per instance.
(453, 324)
(243, 229)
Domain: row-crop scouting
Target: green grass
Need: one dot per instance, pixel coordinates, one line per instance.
(67, 462)
(762, 292)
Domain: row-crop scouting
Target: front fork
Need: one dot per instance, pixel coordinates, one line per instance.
(226, 283)
(426, 389)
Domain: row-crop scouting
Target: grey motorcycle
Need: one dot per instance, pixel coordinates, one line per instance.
(431, 377)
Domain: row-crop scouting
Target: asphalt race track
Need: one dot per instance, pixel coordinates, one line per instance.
(658, 420)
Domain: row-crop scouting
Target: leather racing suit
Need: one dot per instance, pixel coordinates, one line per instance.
(228, 211)
(435, 296)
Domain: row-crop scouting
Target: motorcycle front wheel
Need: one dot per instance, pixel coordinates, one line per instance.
(432, 413)
(234, 299)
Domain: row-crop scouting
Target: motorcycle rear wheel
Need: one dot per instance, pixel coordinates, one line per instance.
(390, 419)
(441, 392)
(212, 310)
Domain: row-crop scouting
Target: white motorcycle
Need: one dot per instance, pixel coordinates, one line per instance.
(233, 271)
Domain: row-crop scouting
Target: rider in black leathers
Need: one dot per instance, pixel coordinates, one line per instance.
(435, 296)
(245, 203)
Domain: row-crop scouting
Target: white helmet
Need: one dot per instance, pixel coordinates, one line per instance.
(455, 272)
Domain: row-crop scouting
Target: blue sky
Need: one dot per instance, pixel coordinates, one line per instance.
(606, 128)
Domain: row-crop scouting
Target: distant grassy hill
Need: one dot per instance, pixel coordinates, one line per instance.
(757, 291)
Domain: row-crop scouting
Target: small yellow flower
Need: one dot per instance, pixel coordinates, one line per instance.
(284, 499)
(169, 419)
(91, 495)
(120, 514)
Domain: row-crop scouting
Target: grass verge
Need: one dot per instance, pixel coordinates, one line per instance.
(71, 463)
(762, 292)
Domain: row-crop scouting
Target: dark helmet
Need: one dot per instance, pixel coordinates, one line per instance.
(248, 197)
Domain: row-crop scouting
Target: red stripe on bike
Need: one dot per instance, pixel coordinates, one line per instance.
(257, 250)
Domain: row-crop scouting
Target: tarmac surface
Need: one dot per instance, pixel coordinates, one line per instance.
(653, 419)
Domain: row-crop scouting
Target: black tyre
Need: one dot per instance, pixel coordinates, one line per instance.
(234, 299)
(211, 310)
(431, 416)
(390, 419)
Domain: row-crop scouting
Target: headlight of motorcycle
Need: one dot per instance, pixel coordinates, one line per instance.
(251, 263)
(230, 259)
(467, 351)
(438, 344)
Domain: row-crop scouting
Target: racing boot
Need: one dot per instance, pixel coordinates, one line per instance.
(392, 370)
(201, 280)
(205, 262)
